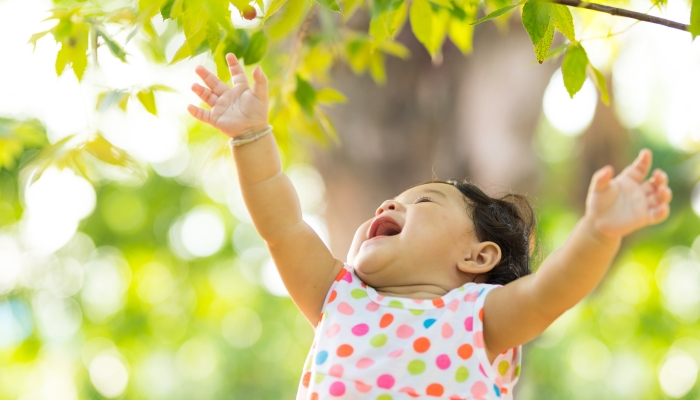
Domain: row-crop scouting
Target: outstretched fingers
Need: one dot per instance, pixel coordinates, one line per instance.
(259, 84)
(640, 167)
(205, 94)
(237, 73)
(601, 179)
(199, 113)
(217, 86)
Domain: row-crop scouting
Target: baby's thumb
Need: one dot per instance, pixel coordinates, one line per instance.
(601, 179)
(260, 83)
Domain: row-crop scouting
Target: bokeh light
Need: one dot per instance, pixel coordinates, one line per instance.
(570, 116)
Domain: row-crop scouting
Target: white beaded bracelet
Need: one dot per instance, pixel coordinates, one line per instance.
(241, 140)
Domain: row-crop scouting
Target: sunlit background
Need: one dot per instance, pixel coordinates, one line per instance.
(157, 286)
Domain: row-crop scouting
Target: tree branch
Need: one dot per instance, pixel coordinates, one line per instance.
(300, 40)
(622, 13)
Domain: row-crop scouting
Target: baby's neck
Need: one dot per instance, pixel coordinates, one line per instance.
(413, 291)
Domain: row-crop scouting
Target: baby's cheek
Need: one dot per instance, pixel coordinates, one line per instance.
(360, 236)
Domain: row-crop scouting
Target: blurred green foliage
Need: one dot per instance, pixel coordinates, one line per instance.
(184, 327)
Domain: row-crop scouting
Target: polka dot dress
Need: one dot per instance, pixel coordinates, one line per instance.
(368, 346)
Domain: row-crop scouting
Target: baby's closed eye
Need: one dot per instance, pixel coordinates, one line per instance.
(424, 199)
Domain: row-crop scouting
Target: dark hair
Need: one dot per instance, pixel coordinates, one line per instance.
(508, 221)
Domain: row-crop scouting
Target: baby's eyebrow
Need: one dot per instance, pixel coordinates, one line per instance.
(437, 192)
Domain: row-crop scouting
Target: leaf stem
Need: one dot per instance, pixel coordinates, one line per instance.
(622, 13)
(300, 40)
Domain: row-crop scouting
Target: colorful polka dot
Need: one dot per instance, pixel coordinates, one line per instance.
(396, 304)
(345, 308)
(421, 345)
(428, 322)
(384, 397)
(360, 329)
(347, 277)
(386, 320)
(416, 367)
(337, 389)
(362, 387)
(435, 389)
(334, 294)
(321, 357)
(318, 378)
(306, 379)
(439, 303)
(378, 340)
(395, 354)
(314, 396)
(344, 350)
(416, 312)
(517, 370)
(479, 389)
(454, 304)
(443, 361)
(358, 294)
(479, 340)
(469, 324)
(503, 367)
(336, 370)
(332, 330)
(363, 363)
(386, 381)
(465, 351)
(497, 390)
(404, 331)
(462, 374)
(447, 331)
(372, 306)
(481, 315)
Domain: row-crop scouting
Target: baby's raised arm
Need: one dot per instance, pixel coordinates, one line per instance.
(524, 308)
(305, 264)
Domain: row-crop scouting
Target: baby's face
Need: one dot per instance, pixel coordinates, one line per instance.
(416, 238)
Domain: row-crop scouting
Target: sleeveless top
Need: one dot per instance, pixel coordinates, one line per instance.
(369, 346)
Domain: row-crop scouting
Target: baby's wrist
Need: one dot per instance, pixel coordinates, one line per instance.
(592, 227)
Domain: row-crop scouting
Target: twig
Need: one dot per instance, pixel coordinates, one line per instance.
(300, 40)
(622, 13)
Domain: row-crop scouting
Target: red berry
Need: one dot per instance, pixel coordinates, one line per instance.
(249, 12)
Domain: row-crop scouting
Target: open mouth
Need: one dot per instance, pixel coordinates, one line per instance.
(384, 227)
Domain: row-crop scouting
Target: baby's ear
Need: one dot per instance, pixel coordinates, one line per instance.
(481, 259)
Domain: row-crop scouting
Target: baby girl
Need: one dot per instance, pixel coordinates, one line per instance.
(436, 297)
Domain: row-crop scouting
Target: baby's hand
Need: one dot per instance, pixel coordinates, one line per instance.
(619, 206)
(235, 111)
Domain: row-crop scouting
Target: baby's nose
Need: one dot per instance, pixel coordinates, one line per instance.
(387, 205)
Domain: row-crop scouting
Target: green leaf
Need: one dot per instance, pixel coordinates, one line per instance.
(166, 8)
(461, 31)
(62, 59)
(104, 151)
(329, 4)
(381, 6)
(35, 37)
(256, 49)
(421, 16)
(599, 81)
(573, 68)
(542, 47)
(395, 49)
(536, 19)
(213, 35)
(292, 16)
(112, 45)
(358, 53)
(222, 70)
(496, 14)
(148, 99)
(181, 53)
(219, 12)
(105, 100)
(556, 52)
(274, 6)
(695, 18)
(563, 21)
(330, 96)
(376, 67)
(161, 88)
(305, 96)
